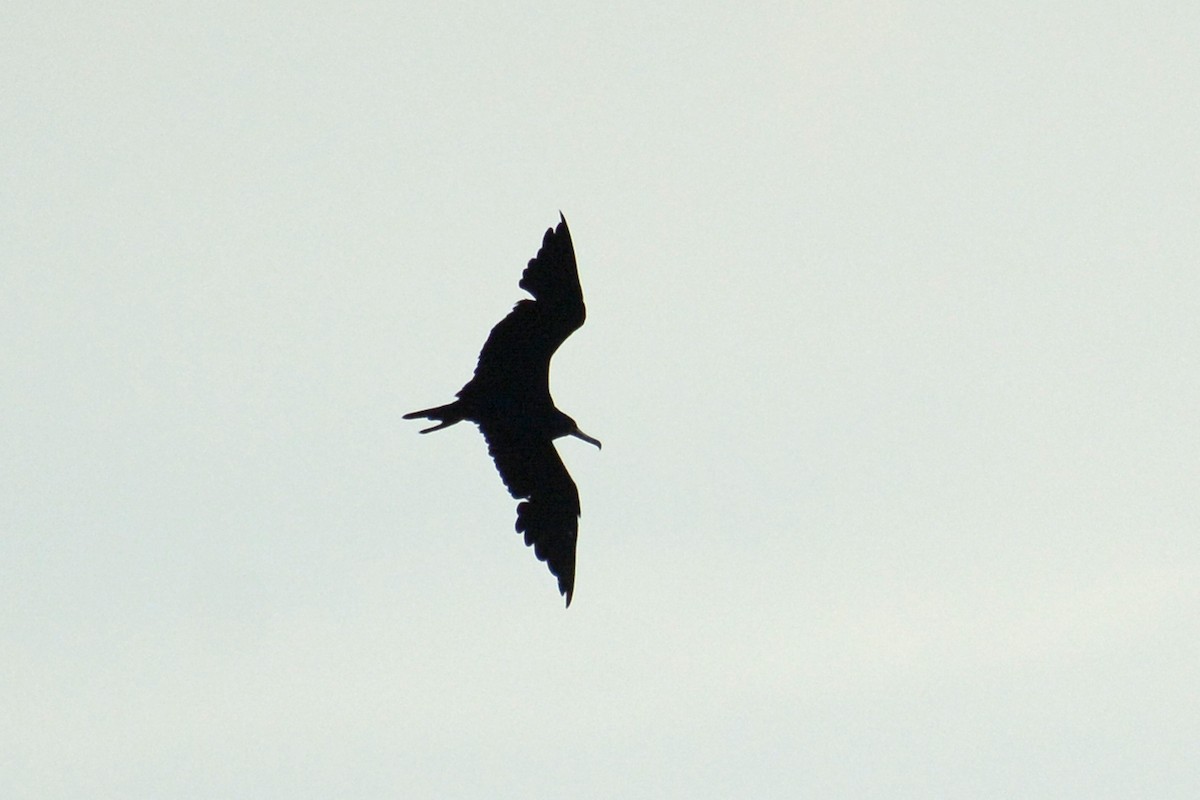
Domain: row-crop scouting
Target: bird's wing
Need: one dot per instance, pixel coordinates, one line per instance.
(518, 350)
(552, 277)
(549, 514)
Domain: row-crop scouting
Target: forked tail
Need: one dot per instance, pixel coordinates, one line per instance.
(445, 416)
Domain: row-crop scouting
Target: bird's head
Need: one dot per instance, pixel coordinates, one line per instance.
(570, 428)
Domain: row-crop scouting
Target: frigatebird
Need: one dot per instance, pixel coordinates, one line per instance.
(509, 399)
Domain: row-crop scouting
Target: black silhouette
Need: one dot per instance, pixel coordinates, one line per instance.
(509, 399)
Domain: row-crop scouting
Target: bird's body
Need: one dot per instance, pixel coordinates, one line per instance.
(509, 399)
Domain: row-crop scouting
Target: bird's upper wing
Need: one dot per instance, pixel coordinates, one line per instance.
(549, 514)
(552, 277)
(518, 350)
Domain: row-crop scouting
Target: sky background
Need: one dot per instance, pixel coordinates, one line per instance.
(893, 345)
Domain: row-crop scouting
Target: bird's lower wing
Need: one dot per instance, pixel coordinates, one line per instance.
(548, 515)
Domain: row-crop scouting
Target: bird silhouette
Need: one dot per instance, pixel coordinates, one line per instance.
(509, 399)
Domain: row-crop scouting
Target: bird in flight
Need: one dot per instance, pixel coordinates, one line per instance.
(509, 399)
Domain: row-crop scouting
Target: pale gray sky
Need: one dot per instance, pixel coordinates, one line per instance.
(892, 344)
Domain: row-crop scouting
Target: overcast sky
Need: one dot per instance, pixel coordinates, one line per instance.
(893, 345)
